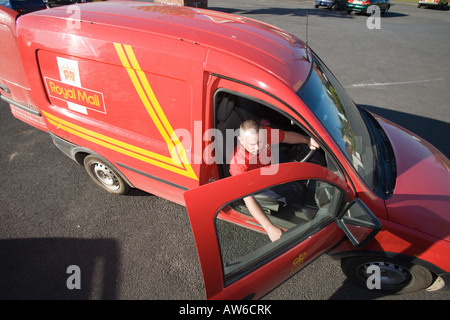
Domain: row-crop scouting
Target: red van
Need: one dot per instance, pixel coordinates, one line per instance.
(151, 96)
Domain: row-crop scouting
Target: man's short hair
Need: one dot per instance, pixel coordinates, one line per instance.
(250, 124)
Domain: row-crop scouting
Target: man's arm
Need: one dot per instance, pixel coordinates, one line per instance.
(292, 137)
(256, 211)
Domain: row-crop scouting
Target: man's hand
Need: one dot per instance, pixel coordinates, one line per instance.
(256, 211)
(292, 137)
(313, 144)
(274, 233)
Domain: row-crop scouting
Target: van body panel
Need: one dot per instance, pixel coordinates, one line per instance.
(251, 41)
(106, 89)
(14, 87)
(99, 80)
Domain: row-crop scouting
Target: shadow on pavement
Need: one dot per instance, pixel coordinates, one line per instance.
(37, 269)
(434, 131)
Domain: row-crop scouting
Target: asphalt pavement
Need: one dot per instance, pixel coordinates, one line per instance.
(140, 246)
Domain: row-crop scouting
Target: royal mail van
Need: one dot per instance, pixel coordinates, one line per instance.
(151, 96)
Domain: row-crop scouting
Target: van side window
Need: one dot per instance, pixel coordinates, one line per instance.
(244, 249)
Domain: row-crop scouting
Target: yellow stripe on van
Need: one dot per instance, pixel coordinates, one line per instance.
(149, 100)
(118, 146)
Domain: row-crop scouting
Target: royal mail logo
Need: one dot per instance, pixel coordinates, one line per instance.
(86, 98)
(69, 74)
(68, 71)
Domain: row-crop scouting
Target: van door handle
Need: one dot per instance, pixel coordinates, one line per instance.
(5, 88)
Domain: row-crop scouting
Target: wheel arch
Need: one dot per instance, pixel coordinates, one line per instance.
(435, 270)
(78, 154)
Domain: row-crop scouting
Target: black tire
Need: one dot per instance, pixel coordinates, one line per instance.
(397, 276)
(105, 176)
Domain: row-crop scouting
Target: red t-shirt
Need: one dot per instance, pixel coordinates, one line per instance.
(243, 161)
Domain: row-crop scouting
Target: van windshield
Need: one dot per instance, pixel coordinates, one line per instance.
(323, 94)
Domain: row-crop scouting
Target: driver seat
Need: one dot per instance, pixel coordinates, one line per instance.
(228, 117)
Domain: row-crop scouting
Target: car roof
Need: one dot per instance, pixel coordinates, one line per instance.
(256, 42)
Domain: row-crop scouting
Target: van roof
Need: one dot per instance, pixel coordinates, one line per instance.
(269, 47)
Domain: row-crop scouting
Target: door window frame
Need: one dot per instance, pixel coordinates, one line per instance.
(273, 250)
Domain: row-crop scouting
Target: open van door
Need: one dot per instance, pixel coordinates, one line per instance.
(14, 87)
(240, 263)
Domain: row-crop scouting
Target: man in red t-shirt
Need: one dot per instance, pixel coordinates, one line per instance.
(255, 148)
(254, 151)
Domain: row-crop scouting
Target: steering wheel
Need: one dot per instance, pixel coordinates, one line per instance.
(299, 152)
(308, 156)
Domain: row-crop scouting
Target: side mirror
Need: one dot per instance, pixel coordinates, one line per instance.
(358, 222)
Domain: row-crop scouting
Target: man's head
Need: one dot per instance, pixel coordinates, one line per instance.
(249, 136)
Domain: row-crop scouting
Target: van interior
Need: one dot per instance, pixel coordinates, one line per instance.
(231, 110)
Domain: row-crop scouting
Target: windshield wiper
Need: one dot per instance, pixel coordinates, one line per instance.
(386, 171)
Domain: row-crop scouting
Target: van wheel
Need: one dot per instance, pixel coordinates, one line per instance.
(105, 176)
(396, 276)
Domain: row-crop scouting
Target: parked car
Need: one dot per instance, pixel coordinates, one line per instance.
(330, 4)
(440, 4)
(56, 3)
(362, 6)
(24, 6)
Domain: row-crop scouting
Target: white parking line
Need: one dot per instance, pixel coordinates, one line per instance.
(382, 84)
